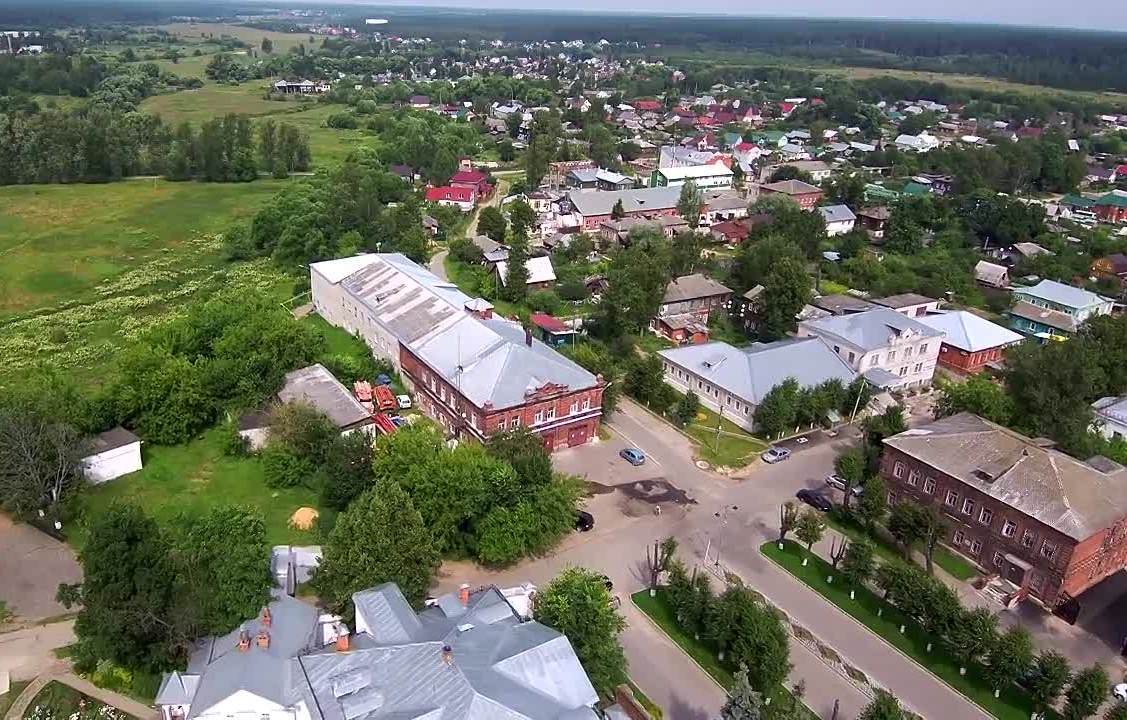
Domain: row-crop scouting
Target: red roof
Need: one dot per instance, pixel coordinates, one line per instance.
(648, 106)
(452, 194)
(470, 177)
(786, 107)
(732, 230)
(1121, 171)
(549, 323)
(745, 147)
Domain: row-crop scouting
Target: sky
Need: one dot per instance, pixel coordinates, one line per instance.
(1091, 14)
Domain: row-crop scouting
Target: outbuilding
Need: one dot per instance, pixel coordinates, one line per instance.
(113, 453)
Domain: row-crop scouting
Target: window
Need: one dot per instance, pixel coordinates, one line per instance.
(891, 356)
(968, 507)
(539, 417)
(892, 498)
(960, 536)
(586, 403)
(1048, 550)
(1009, 527)
(923, 348)
(852, 357)
(898, 470)
(907, 352)
(551, 413)
(874, 360)
(999, 558)
(914, 478)
(918, 368)
(952, 498)
(514, 421)
(1028, 538)
(573, 409)
(837, 349)
(986, 516)
(929, 485)
(976, 547)
(903, 371)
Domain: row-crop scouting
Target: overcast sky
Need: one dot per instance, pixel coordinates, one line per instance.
(1096, 14)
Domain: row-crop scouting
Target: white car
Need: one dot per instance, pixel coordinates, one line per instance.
(1120, 692)
(404, 401)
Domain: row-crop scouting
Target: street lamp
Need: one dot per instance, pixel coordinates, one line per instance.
(722, 516)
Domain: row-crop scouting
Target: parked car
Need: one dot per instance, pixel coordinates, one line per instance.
(634, 456)
(1120, 692)
(404, 401)
(838, 483)
(584, 521)
(775, 454)
(814, 499)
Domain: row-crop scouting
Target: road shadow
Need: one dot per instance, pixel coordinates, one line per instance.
(680, 709)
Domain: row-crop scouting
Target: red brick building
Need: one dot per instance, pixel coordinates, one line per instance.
(1046, 523)
(472, 179)
(1112, 207)
(806, 195)
(970, 343)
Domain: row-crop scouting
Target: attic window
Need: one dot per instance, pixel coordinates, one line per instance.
(349, 682)
(983, 475)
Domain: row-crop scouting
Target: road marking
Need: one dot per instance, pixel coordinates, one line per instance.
(636, 444)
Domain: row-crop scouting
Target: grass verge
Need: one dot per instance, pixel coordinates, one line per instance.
(657, 608)
(14, 691)
(951, 562)
(62, 702)
(1012, 705)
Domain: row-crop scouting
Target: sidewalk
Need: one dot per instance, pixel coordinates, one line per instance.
(61, 672)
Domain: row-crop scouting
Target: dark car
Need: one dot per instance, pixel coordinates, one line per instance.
(584, 521)
(815, 499)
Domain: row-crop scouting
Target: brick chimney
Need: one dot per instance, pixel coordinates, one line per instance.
(528, 337)
(266, 617)
(262, 639)
(464, 595)
(244, 641)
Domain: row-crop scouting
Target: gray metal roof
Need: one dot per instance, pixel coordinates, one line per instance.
(791, 187)
(1061, 294)
(967, 331)
(842, 304)
(869, 330)
(692, 287)
(1112, 408)
(317, 387)
(836, 213)
(600, 202)
(489, 361)
(1056, 489)
(750, 373)
(904, 300)
(112, 440)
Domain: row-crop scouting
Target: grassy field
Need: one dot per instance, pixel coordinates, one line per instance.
(84, 266)
(1013, 704)
(215, 100)
(329, 146)
(198, 476)
(203, 32)
(657, 609)
(188, 66)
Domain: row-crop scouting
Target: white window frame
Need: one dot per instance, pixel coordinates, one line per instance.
(898, 470)
(514, 422)
(951, 499)
(968, 506)
(1011, 526)
(914, 478)
(551, 413)
(998, 560)
(929, 485)
(959, 537)
(586, 404)
(975, 547)
(538, 417)
(1048, 549)
(985, 515)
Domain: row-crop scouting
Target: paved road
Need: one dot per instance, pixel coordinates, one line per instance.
(32, 565)
(27, 653)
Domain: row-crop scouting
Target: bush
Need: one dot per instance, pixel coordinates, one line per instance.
(573, 291)
(342, 121)
(232, 443)
(545, 301)
(284, 469)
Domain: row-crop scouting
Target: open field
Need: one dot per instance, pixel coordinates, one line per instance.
(202, 32)
(328, 146)
(188, 66)
(83, 267)
(215, 100)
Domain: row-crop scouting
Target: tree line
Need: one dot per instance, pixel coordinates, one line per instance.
(95, 144)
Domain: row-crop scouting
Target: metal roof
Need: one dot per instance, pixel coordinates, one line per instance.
(836, 213)
(111, 440)
(869, 330)
(691, 287)
(688, 172)
(750, 373)
(317, 387)
(1061, 294)
(540, 270)
(791, 187)
(967, 331)
(1060, 491)
(904, 300)
(601, 202)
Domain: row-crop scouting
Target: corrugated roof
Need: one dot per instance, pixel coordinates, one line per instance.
(600, 202)
(791, 187)
(869, 330)
(316, 386)
(1055, 489)
(750, 373)
(1052, 318)
(691, 287)
(904, 300)
(967, 331)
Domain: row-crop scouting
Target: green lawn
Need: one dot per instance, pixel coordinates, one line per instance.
(197, 476)
(655, 712)
(9, 697)
(83, 267)
(194, 32)
(951, 562)
(658, 609)
(216, 100)
(328, 146)
(1013, 704)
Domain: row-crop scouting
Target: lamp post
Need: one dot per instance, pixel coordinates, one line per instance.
(722, 516)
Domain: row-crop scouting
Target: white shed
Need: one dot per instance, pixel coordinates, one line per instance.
(114, 453)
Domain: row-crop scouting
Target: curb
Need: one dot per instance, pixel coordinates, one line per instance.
(897, 650)
(677, 645)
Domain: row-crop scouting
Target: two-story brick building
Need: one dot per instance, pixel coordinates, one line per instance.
(970, 342)
(806, 195)
(473, 373)
(1050, 524)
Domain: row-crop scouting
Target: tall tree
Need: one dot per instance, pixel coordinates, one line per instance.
(1010, 659)
(859, 562)
(521, 216)
(786, 289)
(380, 538)
(873, 503)
(578, 604)
(127, 591)
(1085, 694)
(617, 212)
(690, 203)
(973, 635)
(492, 224)
(810, 529)
(637, 279)
(1051, 674)
(883, 707)
(850, 467)
(40, 460)
(516, 277)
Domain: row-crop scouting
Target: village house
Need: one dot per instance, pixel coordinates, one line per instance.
(891, 350)
(594, 207)
(301, 87)
(806, 195)
(474, 373)
(1111, 267)
(1049, 525)
(816, 169)
(733, 381)
(1112, 207)
(875, 220)
(909, 304)
(842, 304)
(992, 275)
(970, 343)
(839, 219)
(474, 180)
(616, 233)
(1111, 417)
(715, 175)
(463, 198)
(1053, 310)
(469, 655)
(541, 274)
(110, 455)
(598, 178)
(695, 294)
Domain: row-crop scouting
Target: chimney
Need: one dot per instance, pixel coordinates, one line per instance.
(266, 618)
(342, 642)
(528, 337)
(464, 595)
(447, 654)
(244, 641)
(263, 639)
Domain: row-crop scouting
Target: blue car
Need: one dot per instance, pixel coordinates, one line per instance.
(634, 456)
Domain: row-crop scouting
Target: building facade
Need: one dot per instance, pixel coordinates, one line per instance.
(1051, 309)
(970, 342)
(1049, 524)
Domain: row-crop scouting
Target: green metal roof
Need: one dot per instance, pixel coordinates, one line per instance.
(1113, 199)
(914, 188)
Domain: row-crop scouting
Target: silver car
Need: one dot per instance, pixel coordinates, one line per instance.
(838, 483)
(775, 454)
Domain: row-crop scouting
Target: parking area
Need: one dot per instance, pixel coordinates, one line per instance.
(600, 463)
(32, 565)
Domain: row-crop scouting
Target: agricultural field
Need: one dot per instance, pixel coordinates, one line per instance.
(216, 100)
(188, 66)
(203, 32)
(85, 267)
(329, 146)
